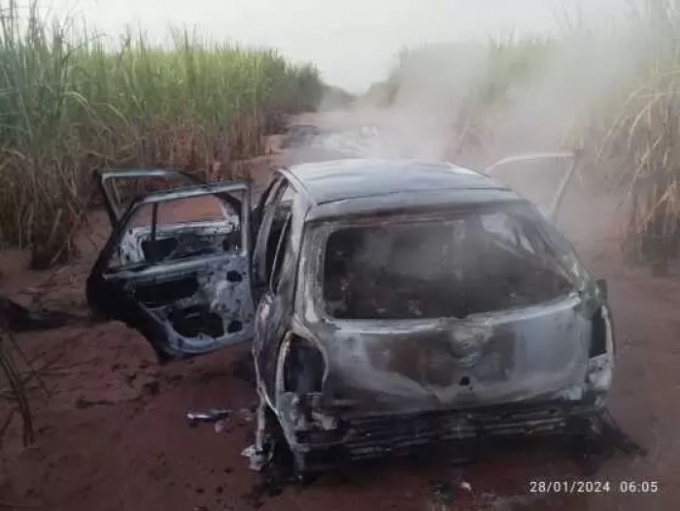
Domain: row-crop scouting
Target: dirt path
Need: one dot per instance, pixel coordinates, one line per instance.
(112, 433)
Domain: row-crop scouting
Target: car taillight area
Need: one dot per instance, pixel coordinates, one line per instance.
(303, 366)
(300, 378)
(598, 339)
(601, 363)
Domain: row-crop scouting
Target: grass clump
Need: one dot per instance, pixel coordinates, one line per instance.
(638, 145)
(69, 104)
(13, 388)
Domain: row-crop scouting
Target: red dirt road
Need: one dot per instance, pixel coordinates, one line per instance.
(112, 433)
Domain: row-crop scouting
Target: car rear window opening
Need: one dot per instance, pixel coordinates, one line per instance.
(478, 263)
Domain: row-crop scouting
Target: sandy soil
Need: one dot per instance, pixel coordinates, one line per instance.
(112, 433)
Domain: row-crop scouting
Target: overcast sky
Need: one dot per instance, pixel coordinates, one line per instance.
(353, 42)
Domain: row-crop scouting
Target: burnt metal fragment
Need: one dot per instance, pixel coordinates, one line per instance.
(209, 416)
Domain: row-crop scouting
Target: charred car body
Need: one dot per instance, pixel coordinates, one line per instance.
(390, 304)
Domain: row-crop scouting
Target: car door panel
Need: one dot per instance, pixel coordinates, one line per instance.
(200, 305)
(190, 296)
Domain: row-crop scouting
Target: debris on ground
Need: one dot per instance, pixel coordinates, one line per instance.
(220, 426)
(443, 492)
(83, 403)
(464, 485)
(18, 318)
(210, 415)
(272, 483)
(220, 418)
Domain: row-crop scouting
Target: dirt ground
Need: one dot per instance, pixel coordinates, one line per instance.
(112, 434)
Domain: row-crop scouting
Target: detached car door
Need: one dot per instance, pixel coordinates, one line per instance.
(542, 178)
(177, 269)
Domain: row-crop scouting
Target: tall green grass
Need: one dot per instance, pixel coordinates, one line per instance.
(611, 91)
(69, 104)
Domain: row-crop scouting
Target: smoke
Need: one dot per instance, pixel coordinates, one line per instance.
(433, 88)
(474, 102)
(584, 75)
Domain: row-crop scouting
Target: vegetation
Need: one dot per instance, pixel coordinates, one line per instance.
(612, 92)
(336, 98)
(69, 104)
(13, 388)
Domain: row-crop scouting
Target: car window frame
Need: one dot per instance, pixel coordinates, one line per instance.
(155, 201)
(524, 212)
(282, 249)
(261, 278)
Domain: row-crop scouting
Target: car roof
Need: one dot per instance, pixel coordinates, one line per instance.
(341, 180)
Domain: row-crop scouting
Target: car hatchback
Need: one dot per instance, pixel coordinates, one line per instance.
(390, 304)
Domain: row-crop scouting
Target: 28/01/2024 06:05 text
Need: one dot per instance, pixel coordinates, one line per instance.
(633, 487)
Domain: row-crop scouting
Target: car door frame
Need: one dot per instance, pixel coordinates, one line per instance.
(276, 305)
(99, 287)
(556, 203)
(106, 181)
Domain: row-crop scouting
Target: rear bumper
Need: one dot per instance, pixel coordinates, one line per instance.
(369, 437)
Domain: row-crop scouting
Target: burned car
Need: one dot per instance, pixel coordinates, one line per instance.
(390, 304)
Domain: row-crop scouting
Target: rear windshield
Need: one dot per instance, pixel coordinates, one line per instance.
(475, 263)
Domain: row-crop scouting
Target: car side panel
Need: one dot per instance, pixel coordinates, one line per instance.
(273, 316)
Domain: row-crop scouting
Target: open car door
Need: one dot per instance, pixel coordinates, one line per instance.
(177, 268)
(120, 187)
(542, 178)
